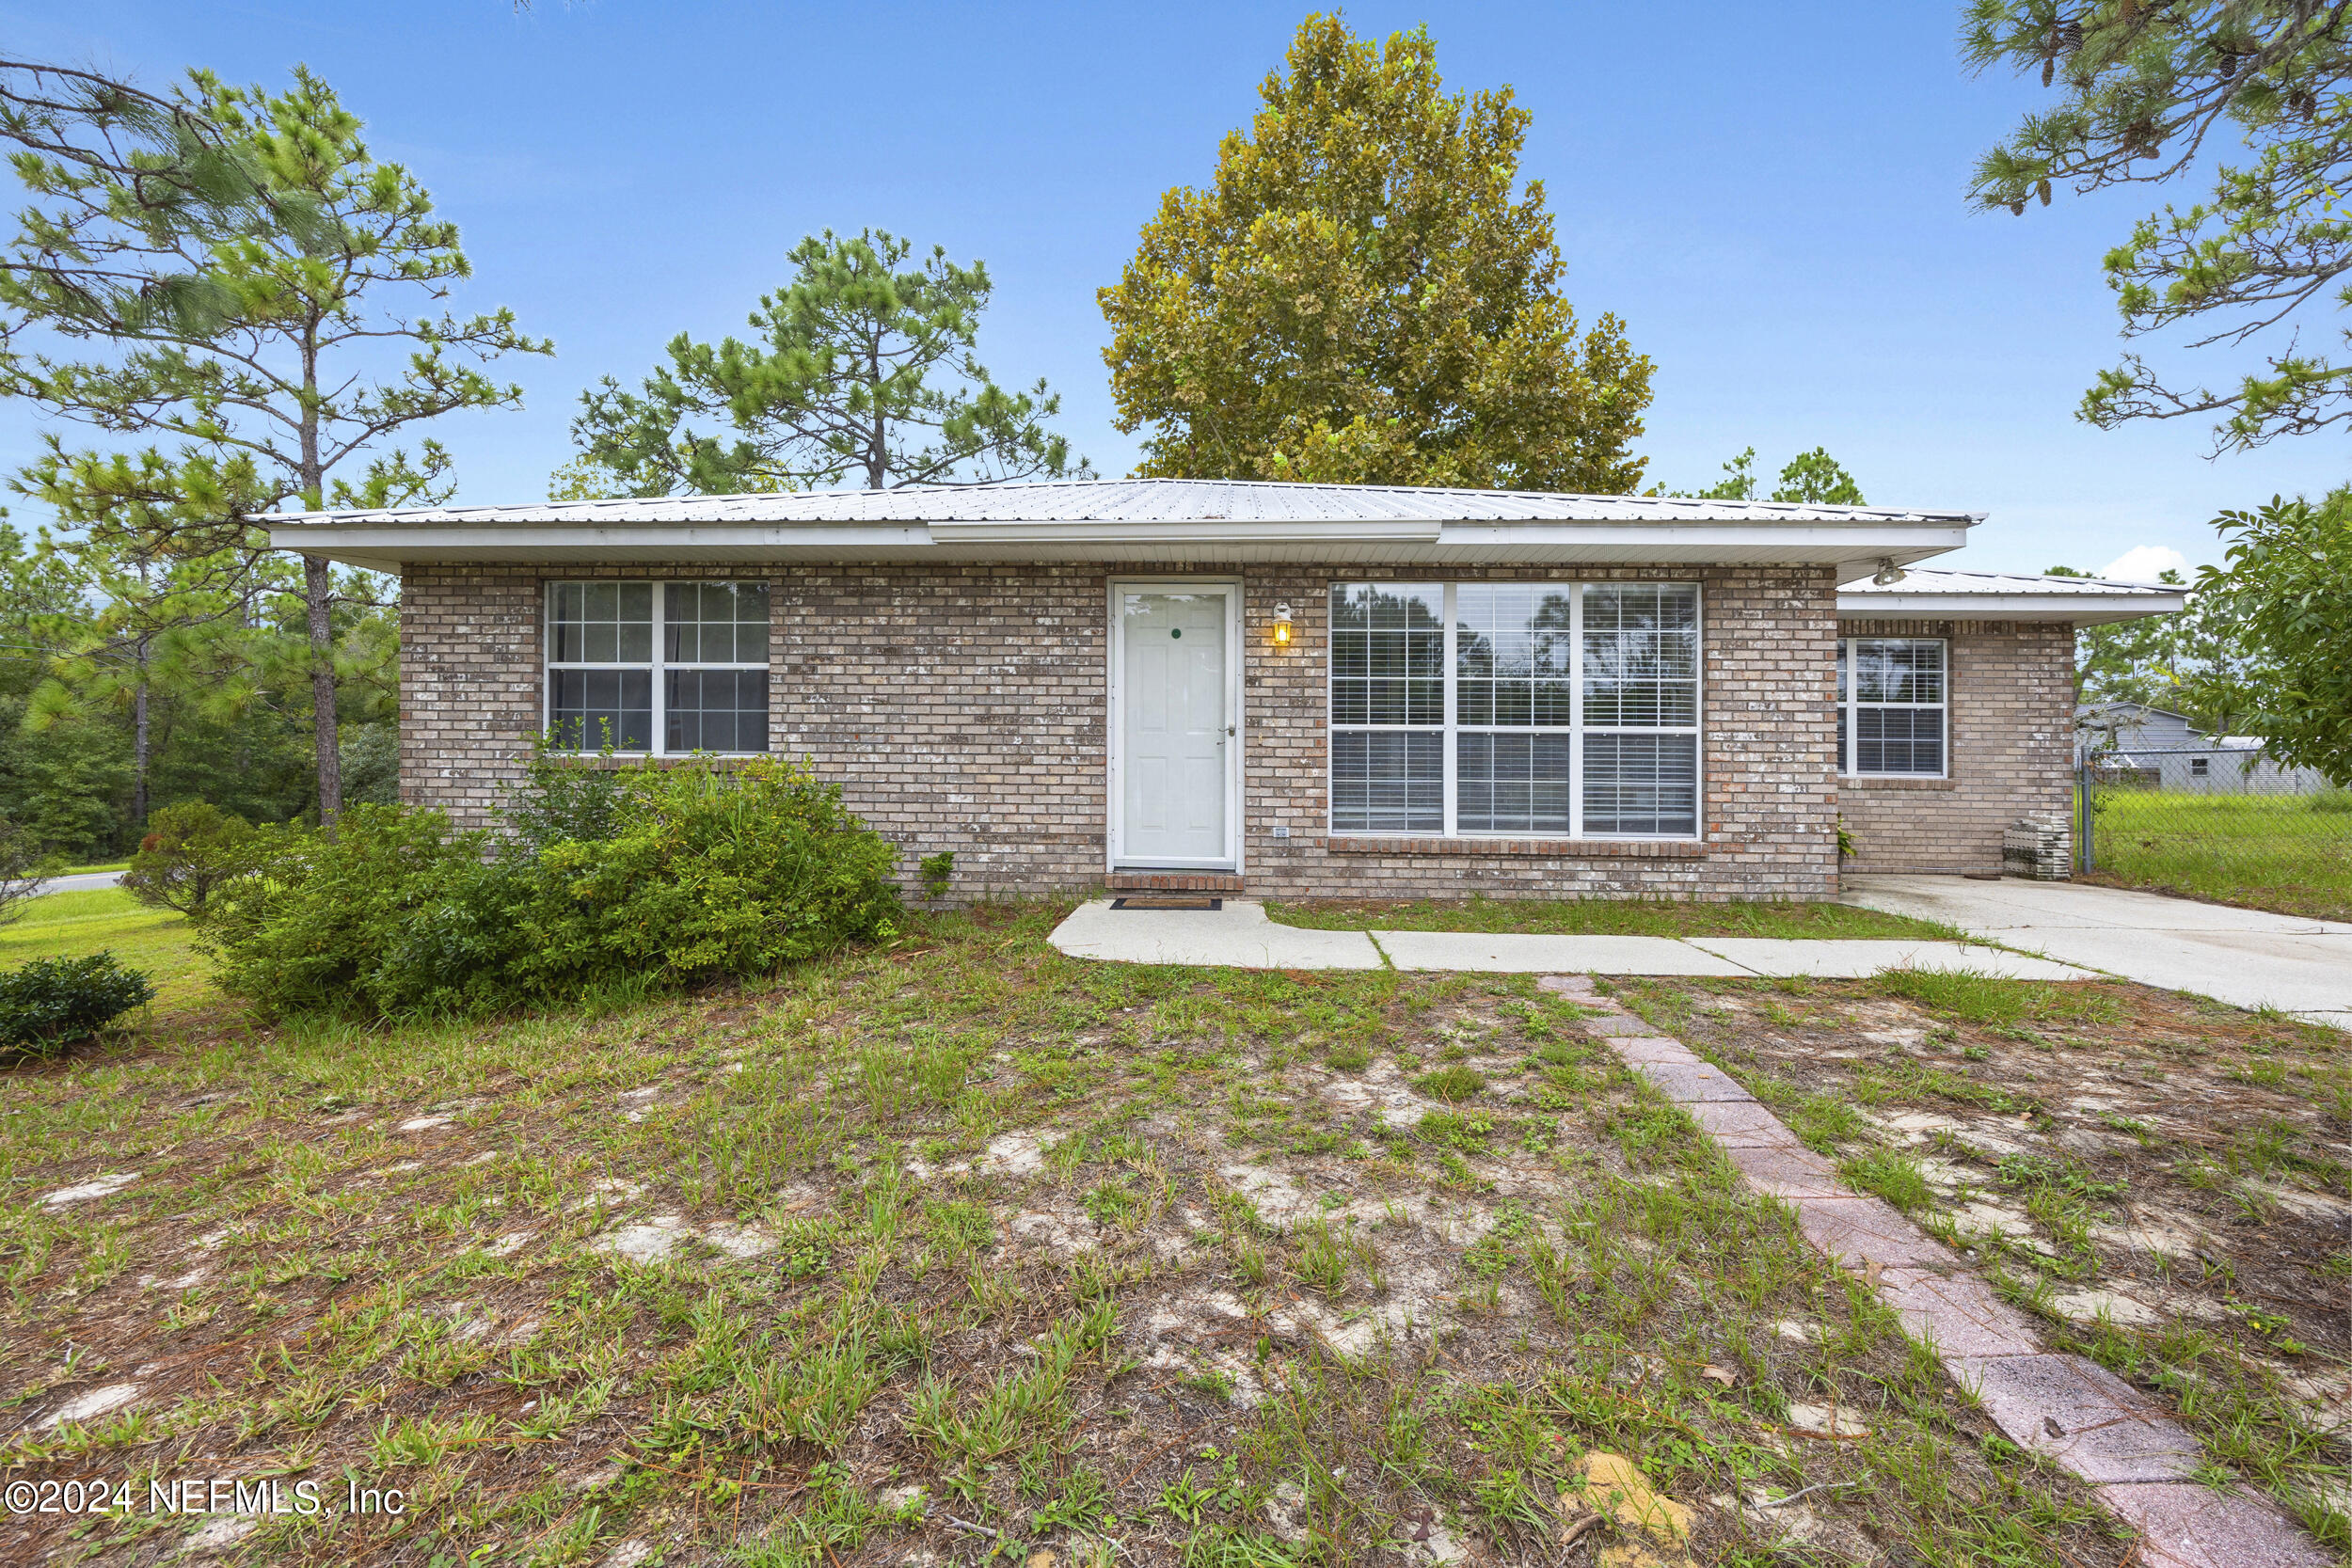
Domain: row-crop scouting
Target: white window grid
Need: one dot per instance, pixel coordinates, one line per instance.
(1575, 729)
(1850, 705)
(656, 666)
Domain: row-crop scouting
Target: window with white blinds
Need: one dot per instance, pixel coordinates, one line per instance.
(1515, 710)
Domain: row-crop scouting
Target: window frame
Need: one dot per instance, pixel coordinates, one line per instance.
(1576, 730)
(1850, 705)
(656, 666)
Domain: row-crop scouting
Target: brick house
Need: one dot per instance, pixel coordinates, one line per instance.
(1299, 691)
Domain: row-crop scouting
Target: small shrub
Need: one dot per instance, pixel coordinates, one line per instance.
(563, 797)
(937, 871)
(189, 852)
(51, 1003)
(2335, 797)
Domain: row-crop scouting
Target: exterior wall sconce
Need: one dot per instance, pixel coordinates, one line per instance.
(1280, 630)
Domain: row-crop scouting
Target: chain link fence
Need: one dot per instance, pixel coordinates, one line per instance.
(2226, 823)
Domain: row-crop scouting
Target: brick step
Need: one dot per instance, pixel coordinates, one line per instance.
(1173, 881)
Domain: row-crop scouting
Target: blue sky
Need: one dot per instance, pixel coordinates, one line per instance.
(1770, 195)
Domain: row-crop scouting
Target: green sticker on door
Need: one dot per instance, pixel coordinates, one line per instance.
(1176, 631)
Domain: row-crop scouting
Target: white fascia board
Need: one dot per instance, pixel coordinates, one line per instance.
(2082, 609)
(1775, 539)
(381, 544)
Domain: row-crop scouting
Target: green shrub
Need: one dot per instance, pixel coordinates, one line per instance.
(2334, 798)
(364, 922)
(705, 870)
(51, 1003)
(711, 869)
(189, 851)
(937, 871)
(561, 797)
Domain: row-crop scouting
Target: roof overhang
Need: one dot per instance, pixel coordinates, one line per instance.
(372, 541)
(2081, 610)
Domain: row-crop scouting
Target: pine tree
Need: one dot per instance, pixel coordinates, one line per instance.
(2146, 89)
(1366, 294)
(287, 372)
(866, 371)
(1813, 478)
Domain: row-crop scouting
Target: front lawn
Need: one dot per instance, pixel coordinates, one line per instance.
(2164, 1181)
(1616, 917)
(2265, 852)
(947, 1252)
(156, 942)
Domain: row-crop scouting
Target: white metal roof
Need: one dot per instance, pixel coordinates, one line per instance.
(1932, 592)
(1134, 519)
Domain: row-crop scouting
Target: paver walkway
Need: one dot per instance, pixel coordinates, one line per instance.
(1239, 936)
(2246, 958)
(2075, 1411)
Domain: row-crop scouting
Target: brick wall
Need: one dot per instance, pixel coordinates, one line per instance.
(964, 708)
(2012, 751)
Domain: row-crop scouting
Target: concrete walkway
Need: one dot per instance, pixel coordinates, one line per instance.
(2246, 958)
(2140, 1462)
(1239, 936)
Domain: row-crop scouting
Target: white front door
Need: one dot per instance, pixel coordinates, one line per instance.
(1176, 732)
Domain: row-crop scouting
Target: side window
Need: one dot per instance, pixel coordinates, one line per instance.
(1891, 705)
(663, 668)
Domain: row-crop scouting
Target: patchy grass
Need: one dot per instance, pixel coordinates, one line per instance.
(956, 1250)
(2284, 852)
(157, 942)
(1605, 917)
(2163, 1181)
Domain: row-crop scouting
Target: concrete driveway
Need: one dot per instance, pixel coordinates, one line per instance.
(2246, 958)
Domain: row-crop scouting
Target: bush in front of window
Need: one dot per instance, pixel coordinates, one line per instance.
(710, 870)
(702, 872)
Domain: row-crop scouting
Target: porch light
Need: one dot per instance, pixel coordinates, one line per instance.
(1888, 573)
(1281, 631)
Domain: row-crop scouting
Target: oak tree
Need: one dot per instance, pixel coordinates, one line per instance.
(1365, 293)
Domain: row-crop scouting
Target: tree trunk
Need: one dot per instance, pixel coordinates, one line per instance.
(878, 451)
(318, 585)
(139, 750)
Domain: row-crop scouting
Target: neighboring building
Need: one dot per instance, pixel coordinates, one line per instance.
(1299, 690)
(2142, 747)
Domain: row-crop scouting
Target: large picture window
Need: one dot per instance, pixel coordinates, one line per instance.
(662, 669)
(1891, 705)
(1521, 709)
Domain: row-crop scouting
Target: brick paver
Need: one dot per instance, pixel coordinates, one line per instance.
(2074, 1411)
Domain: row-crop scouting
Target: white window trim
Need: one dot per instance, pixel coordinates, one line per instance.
(1851, 701)
(1575, 729)
(656, 666)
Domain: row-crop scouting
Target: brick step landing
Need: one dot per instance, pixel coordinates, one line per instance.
(1173, 881)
